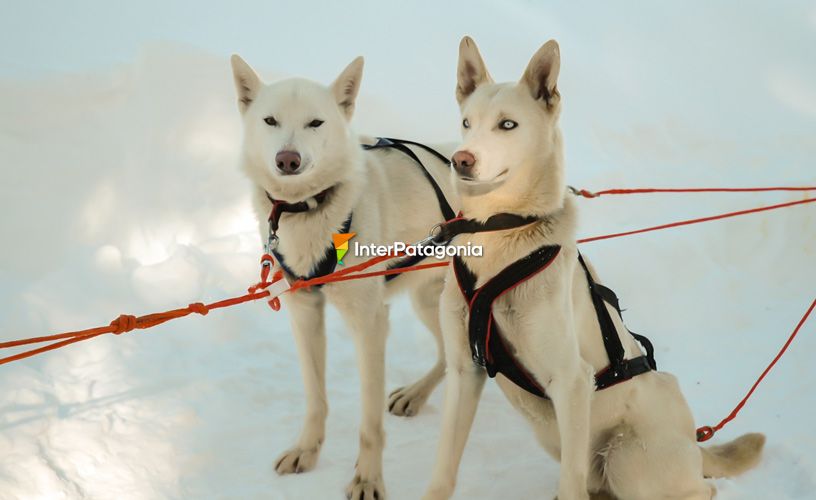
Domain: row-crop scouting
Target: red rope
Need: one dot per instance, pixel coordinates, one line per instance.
(696, 221)
(342, 274)
(126, 323)
(384, 272)
(706, 432)
(595, 194)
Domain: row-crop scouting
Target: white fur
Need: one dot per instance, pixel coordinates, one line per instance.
(391, 201)
(635, 440)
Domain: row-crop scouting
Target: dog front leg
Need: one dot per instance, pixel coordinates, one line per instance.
(571, 390)
(307, 313)
(463, 388)
(464, 382)
(370, 330)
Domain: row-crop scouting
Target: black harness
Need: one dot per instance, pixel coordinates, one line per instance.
(328, 263)
(490, 350)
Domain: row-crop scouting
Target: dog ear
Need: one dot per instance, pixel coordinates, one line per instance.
(347, 85)
(471, 71)
(247, 82)
(541, 75)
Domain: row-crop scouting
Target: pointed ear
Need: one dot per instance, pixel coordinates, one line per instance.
(471, 71)
(347, 85)
(247, 82)
(541, 75)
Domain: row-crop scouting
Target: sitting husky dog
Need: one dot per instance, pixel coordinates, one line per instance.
(306, 162)
(547, 326)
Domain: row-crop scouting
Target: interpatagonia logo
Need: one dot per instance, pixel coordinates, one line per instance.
(417, 250)
(341, 245)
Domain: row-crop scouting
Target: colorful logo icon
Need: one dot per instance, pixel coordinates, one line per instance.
(341, 245)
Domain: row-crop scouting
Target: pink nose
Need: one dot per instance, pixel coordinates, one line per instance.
(463, 162)
(288, 162)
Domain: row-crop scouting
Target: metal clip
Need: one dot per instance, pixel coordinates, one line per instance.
(433, 237)
(425, 241)
(272, 242)
(272, 239)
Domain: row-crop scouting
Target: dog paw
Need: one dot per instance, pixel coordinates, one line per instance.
(297, 460)
(360, 489)
(406, 401)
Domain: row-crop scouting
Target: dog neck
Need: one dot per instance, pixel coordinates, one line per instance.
(502, 248)
(279, 207)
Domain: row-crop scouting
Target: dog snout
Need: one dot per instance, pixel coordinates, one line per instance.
(464, 162)
(288, 162)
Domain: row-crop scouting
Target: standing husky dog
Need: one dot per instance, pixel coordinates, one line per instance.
(634, 439)
(299, 151)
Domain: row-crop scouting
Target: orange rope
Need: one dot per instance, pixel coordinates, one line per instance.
(591, 194)
(344, 275)
(697, 221)
(126, 323)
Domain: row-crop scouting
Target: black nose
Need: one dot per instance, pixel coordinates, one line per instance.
(463, 162)
(288, 161)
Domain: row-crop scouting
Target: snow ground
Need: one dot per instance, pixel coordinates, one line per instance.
(120, 194)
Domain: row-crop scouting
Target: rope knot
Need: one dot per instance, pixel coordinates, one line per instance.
(704, 433)
(198, 307)
(123, 324)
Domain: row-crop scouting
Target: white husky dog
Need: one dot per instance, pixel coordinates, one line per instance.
(636, 438)
(299, 150)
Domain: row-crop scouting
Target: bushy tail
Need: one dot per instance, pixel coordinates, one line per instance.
(733, 458)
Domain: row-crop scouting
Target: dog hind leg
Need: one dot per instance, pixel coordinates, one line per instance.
(655, 466)
(406, 401)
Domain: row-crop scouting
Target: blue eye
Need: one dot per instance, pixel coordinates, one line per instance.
(507, 124)
(271, 121)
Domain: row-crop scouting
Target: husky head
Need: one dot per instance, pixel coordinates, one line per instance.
(297, 139)
(511, 155)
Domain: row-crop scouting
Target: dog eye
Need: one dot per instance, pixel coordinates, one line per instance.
(507, 124)
(315, 123)
(271, 121)
(466, 123)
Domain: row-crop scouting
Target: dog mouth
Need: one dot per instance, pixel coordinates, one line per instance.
(473, 181)
(294, 193)
(321, 197)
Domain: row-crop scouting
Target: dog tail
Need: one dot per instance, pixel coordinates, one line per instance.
(733, 458)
